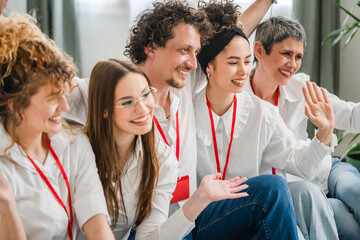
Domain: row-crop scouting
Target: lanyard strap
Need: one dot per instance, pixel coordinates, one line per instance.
(214, 136)
(273, 170)
(177, 134)
(70, 216)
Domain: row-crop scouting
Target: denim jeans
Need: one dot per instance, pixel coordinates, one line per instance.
(313, 212)
(267, 212)
(344, 185)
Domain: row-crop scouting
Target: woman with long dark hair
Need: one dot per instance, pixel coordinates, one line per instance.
(138, 171)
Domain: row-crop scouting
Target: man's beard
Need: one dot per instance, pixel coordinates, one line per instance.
(175, 84)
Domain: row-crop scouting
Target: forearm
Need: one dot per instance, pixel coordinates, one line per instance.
(11, 227)
(195, 205)
(252, 16)
(97, 227)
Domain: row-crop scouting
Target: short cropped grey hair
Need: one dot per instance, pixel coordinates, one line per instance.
(277, 29)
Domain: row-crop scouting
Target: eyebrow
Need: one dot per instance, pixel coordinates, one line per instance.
(131, 97)
(235, 57)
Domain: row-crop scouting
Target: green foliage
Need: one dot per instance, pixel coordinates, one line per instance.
(346, 28)
(353, 148)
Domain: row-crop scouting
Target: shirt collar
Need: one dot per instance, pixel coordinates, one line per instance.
(58, 143)
(203, 125)
(290, 92)
(175, 96)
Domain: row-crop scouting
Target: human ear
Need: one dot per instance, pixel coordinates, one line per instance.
(149, 49)
(259, 51)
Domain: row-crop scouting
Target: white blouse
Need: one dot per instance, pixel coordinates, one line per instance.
(41, 214)
(292, 110)
(260, 138)
(181, 101)
(156, 225)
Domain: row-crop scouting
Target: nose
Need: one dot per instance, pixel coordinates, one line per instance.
(192, 61)
(242, 69)
(140, 106)
(63, 104)
(292, 62)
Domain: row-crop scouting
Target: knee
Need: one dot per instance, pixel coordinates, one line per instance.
(307, 193)
(272, 185)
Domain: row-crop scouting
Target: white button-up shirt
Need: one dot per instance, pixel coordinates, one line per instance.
(181, 101)
(291, 107)
(260, 138)
(156, 226)
(41, 214)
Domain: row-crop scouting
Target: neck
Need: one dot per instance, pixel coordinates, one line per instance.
(162, 96)
(264, 89)
(220, 101)
(32, 143)
(124, 146)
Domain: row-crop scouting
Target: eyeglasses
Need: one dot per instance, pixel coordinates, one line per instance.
(129, 103)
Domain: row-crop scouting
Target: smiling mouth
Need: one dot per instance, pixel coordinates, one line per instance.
(55, 119)
(238, 81)
(287, 73)
(140, 120)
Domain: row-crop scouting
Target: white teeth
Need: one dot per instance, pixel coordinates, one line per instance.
(55, 118)
(285, 72)
(238, 81)
(182, 72)
(140, 120)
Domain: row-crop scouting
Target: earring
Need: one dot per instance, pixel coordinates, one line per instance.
(208, 75)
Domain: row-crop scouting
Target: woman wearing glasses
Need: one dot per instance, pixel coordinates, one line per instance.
(139, 172)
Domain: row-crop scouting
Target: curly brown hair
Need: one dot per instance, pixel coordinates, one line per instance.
(222, 14)
(154, 27)
(28, 60)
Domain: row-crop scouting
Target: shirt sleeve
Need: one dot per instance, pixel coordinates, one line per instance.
(347, 114)
(88, 198)
(78, 101)
(157, 225)
(298, 157)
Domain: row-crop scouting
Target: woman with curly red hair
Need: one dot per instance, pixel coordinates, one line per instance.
(48, 178)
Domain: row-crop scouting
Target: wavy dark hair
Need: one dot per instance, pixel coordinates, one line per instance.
(154, 27)
(221, 14)
(28, 60)
(103, 80)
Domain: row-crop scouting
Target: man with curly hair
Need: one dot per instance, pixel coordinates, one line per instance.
(164, 43)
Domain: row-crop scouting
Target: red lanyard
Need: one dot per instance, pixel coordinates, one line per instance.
(177, 134)
(276, 104)
(53, 190)
(214, 136)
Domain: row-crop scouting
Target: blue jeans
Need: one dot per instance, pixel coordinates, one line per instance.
(313, 212)
(267, 212)
(344, 185)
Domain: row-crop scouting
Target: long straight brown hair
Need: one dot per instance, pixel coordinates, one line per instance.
(103, 80)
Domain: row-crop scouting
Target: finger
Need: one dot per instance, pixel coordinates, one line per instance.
(306, 95)
(326, 98)
(311, 92)
(238, 182)
(317, 92)
(234, 179)
(238, 195)
(307, 111)
(239, 188)
(217, 176)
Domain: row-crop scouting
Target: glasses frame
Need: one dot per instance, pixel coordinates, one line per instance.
(152, 91)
